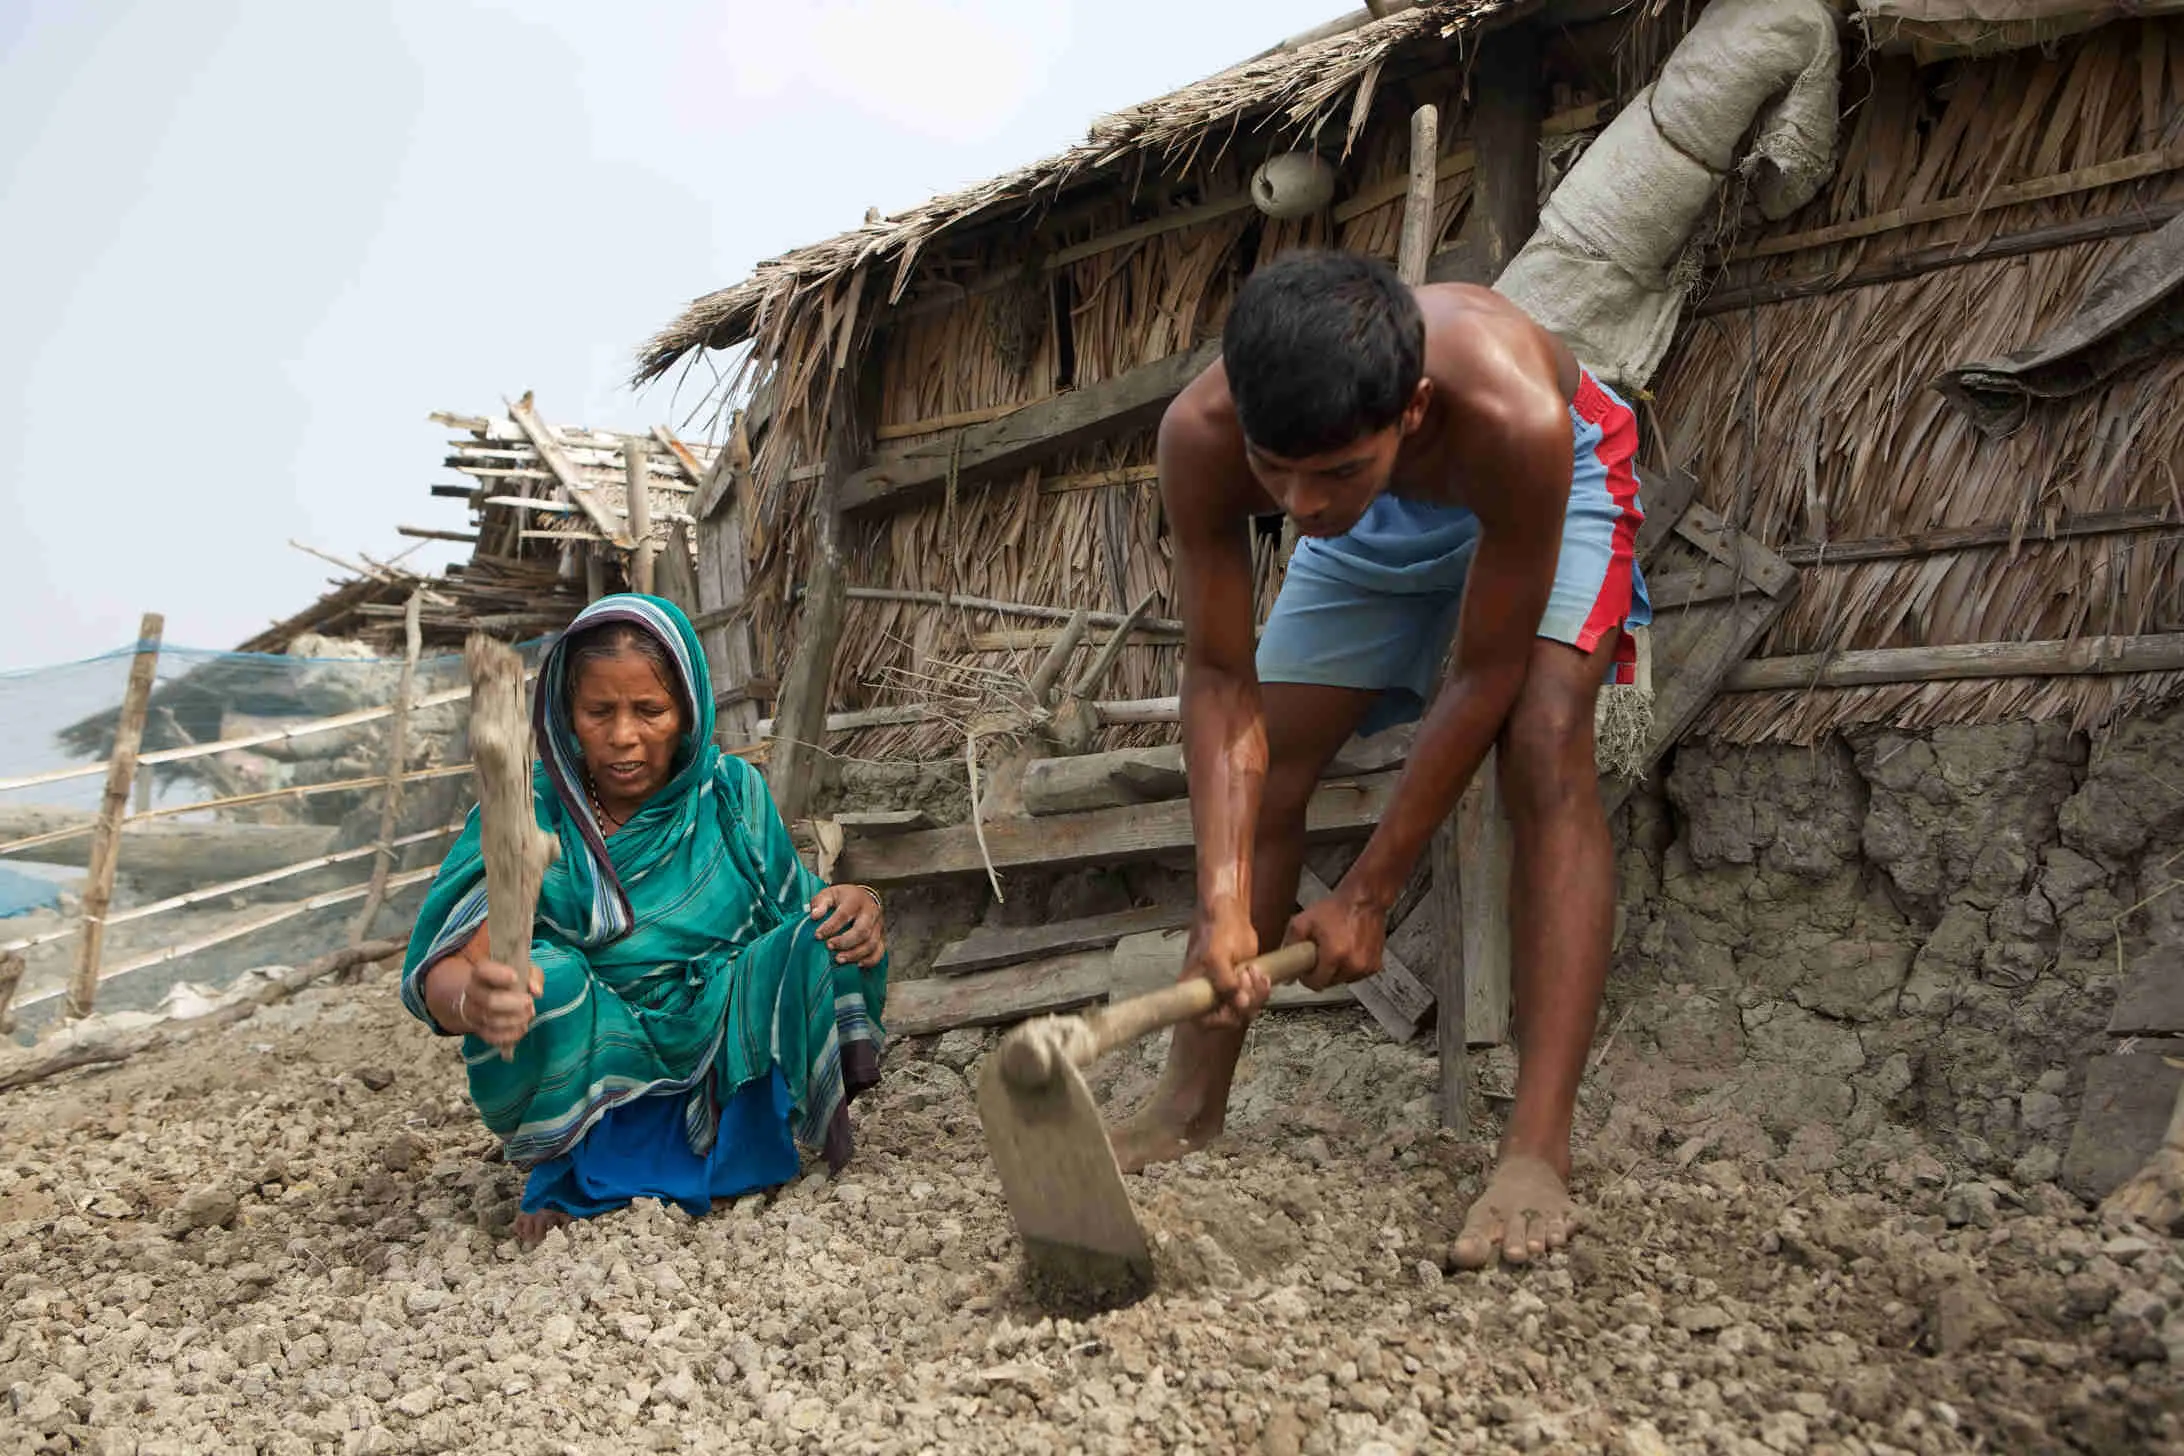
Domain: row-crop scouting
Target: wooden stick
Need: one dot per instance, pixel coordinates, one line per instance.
(1112, 647)
(11, 976)
(1966, 538)
(1006, 609)
(98, 890)
(517, 851)
(557, 460)
(2083, 656)
(1095, 479)
(905, 429)
(1049, 670)
(1417, 240)
(390, 805)
(2060, 184)
(1948, 255)
(429, 533)
(635, 457)
(100, 1051)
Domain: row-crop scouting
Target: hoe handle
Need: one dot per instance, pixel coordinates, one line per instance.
(1126, 1021)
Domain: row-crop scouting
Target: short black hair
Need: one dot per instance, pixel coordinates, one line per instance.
(1321, 348)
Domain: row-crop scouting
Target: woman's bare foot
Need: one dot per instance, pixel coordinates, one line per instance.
(531, 1227)
(1524, 1212)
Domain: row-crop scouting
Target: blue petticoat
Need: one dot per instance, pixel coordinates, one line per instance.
(639, 1150)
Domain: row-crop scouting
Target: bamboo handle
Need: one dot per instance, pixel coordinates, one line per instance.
(1126, 1021)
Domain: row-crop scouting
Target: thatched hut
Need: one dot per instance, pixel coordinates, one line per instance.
(1939, 380)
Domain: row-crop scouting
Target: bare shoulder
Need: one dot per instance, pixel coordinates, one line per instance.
(1490, 360)
(1204, 477)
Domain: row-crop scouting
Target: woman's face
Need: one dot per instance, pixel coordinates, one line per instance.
(628, 724)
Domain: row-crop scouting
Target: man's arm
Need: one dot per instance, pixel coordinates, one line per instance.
(1520, 511)
(1224, 726)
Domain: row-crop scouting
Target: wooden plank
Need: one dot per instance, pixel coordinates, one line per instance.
(1395, 998)
(2083, 656)
(1131, 400)
(1344, 809)
(557, 460)
(934, 424)
(1666, 495)
(1703, 528)
(2129, 1096)
(2082, 179)
(986, 948)
(2151, 1002)
(98, 890)
(800, 721)
(1415, 244)
(1971, 538)
(723, 569)
(1483, 849)
(943, 1003)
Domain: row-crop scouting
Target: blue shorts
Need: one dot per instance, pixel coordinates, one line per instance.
(1375, 608)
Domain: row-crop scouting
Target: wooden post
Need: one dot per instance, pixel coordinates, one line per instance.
(11, 976)
(723, 568)
(1506, 113)
(1505, 126)
(595, 576)
(1412, 253)
(98, 890)
(636, 452)
(800, 725)
(390, 806)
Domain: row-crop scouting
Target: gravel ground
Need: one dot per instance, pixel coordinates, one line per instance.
(290, 1236)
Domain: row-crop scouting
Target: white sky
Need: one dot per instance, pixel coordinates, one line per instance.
(246, 246)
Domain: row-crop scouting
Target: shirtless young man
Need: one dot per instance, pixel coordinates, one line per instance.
(1453, 474)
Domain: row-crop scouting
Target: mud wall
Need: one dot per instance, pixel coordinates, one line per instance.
(1922, 930)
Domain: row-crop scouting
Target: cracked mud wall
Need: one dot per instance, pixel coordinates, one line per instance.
(1921, 930)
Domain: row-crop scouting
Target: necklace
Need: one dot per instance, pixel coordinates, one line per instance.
(607, 823)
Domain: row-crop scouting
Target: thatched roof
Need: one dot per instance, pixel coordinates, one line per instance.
(1286, 94)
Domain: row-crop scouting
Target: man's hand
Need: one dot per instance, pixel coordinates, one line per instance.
(1351, 934)
(499, 1002)
(1220, 946)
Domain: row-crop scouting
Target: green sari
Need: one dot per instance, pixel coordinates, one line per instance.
(679, 957)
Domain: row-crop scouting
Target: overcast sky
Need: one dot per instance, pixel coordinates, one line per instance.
(246, 246)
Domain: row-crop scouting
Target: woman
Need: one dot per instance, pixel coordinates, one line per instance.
(698, 1002)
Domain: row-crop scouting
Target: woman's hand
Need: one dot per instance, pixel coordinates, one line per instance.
(850, 924)
(499, 1001)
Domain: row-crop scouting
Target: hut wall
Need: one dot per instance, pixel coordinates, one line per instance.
(1814, 420)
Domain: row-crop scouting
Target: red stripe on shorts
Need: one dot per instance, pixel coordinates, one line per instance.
(1618, 448)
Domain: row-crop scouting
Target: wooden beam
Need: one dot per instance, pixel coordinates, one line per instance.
(1948, 255)
(1131, 400)
(1452, 1009)
(1011, 609)
(723, 571)
(431, 533)
(98, 890)
(1415, 243)
(1968, 538)
(988, 947)
(557, 460)
(1339, 810)
(2076, 657)
(1395, 998)
(943, 1003)
(2039, 189)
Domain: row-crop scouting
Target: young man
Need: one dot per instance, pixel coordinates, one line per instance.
(1453, 474)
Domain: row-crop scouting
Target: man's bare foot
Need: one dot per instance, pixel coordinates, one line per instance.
(531, 1227)
(1524, 1212)
(1159, 1134)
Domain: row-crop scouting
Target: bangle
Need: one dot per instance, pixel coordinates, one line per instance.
(460, 997)
(875, 894)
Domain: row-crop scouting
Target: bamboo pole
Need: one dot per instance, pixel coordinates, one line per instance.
(557, 460)
(230, 745)
(235, 887)
(98, 891)
(636, 457)
(2072, 657)
(390, 805)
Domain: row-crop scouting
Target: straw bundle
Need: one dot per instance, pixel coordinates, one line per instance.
(1813, 420)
